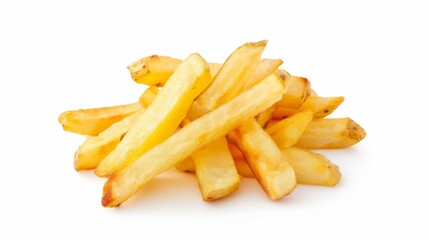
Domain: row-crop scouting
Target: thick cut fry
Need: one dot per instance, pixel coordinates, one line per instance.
(162, 116)
(148, 96)
(215, 177)
(296, 91)
(93, 121)
(263, 69)
(321, 107)
(229, 81)
(153, 70)
(125, 183)
(311, 168)
(287, 132)
(330, 133)
(94, 149)
(270, 168)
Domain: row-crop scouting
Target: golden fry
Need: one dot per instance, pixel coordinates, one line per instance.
(330, 133)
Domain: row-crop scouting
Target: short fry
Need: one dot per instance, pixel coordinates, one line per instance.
(330, 133)
(162, 116)
(125, 183)
(312, 168)
(93, 121)
(213, 171)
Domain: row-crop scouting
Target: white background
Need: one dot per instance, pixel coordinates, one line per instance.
(59, 56)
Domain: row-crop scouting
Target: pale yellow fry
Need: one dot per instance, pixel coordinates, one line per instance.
(270, 168)
(288, 131)
(312, 168)
(321, 106)
(215, 170)
(229, 81)
(153, 70)
(296, 91)
(125, 183)
(330, 133)
(93, 121)
(156, 70)
(162, 116)
(148, 96)
(94, 149)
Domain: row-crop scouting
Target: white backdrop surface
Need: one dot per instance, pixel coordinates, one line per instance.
(57, 55)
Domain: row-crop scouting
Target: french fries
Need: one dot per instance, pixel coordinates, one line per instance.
(270, 168)
(288, 131)
(213, 172)
(126, 182)
(243, 118)
(161, 118)
(93, 121)
(331, 133)
(311, 168)
(320, 106)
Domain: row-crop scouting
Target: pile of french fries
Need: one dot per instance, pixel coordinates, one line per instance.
(243, 118)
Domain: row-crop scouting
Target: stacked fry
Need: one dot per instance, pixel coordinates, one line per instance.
(243, 118)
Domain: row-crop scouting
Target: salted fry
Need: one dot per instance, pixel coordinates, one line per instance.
(331, 133)
(312, 168)
(214, 176)
(288, 131)
(93, 121)
(125, 183)
(272, 171)
(162, 116)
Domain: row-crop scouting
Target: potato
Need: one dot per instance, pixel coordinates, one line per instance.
(162, 116)
(265, 117)
(215, 170)
(311, 168)
(270, 168)
(330, 133)
(288, 131)
(93, 121)
(193, 137)
(241, 165)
